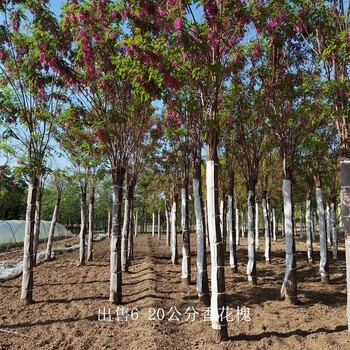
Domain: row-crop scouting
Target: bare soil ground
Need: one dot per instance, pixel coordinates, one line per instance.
(71, 309)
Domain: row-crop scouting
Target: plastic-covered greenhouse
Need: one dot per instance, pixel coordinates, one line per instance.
(12, 231)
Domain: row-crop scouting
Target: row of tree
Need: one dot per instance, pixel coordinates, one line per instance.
(244, 80)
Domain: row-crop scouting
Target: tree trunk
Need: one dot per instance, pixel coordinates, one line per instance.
(328, 225)
(257, 243)
(109, 223)
(274, 226)
(125, 235)
(168, 222)
(251, 265)
(237, 227)
(91, 224)
(324, 268)
(242, 223)
(27, 276)
(231, 225)
(158, 222)
(334, 231)
(266, 229)
(136, 221)
(131, 230)
(52, 226)
(39, 196)
(83, 230)
(202, 272)
(310, 252)
(115, 295)
(218, 303)
(289, 287)
(174, 251)
(186, 251)
(345, 206)
(153, 223)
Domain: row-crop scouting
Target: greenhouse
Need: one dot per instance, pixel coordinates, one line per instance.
(12, 231)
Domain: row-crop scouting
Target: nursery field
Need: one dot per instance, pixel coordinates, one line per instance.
(71, 309)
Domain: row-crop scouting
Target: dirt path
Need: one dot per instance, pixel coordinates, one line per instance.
(72, 309)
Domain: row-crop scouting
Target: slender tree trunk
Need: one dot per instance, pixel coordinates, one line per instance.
(266, 229)
(257, 243)
(231, 225)
(301, 224)
(334, 231)
(328, 225)
(202, 272)
(159, 232)
(237, 227)
(174, 250)
(345, 206)
(168, 223)
(242, 223)
(218, 303)
(136, 222)
(109, 223)
(251, 265)
(324, 267)
(289, 287)
(27, 276)
(125, 235)
(52, 226)
(186, 250)
(37, 221)
(91, 224)
(116, 238)
(83, 230)
(310, 252)
(153, 223)
(274, 226)
(131, 230)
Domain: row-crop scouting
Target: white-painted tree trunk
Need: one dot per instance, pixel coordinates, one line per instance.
(274, 225)
(218, 314)
(257, 242)
(230, 230)
(168, 227)
(289, 286)
(313, 226)
(153, 223)
(243, 223)
(115, 245)
(266, 231)
(109, 223)
(37, 222)
(237, 227)
(328, 225)
(202, 273)
(174, 251)
(334, 231)
(301, 224)
(125, 236)
(136, 222)
(52, 228)
(158, 221)
(323, 237)
(91, 225)
(251, 265)
(186, 253)
(83, 228)
(206, 225)
(309, 240)
(345, 206)
(27, 275)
